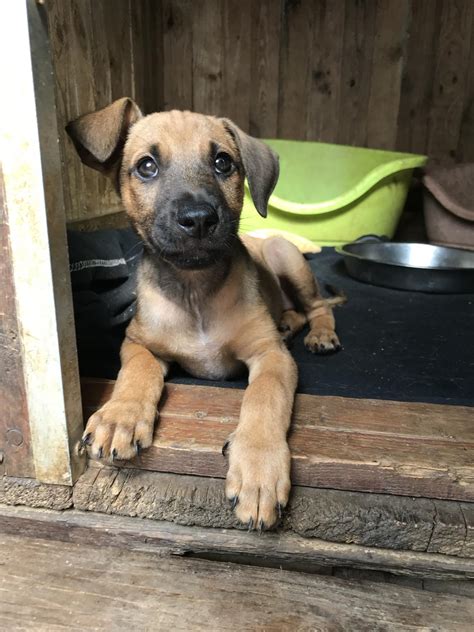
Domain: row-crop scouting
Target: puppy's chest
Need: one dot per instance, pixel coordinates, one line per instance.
(192, 338)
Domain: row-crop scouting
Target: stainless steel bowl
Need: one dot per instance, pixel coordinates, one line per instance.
(418, 267)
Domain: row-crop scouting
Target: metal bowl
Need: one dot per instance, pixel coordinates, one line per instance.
(418, 267)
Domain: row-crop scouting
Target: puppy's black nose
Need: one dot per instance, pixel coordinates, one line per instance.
(197, 221)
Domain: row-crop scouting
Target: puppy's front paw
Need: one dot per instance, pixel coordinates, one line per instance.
(324, 341)
(258, 481)
(119, 430)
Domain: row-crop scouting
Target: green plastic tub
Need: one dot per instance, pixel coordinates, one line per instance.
(332, 194)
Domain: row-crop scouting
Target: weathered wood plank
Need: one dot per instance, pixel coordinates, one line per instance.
(375, 520)
(35, 217)
(87, 587)
(27, 491)
(324, 104)
(284, 549)
(207, 56)
(356, 71)
(266, 22)
(236, 33)
(66, 533)
(79, 33)
(388, 52)
(295, 48)
(101, 51)
(450, 78)
(465, 149)
(178, 54)
(401, 448)
(148, 61)
(418, 72)
(15, 442)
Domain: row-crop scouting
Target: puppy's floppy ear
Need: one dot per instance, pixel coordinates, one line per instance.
(260, 165)
(99, 137)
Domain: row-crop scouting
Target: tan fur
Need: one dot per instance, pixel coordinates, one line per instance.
(213, 322)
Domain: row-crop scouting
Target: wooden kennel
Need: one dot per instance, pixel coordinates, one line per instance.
(391, 74)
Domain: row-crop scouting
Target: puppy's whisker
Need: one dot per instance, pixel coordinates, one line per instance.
(134, 248)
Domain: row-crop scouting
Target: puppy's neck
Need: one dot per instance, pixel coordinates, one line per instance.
(191, 287)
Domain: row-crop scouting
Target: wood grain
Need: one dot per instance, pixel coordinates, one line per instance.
(340, 443)
(418, 75)
(265, 68)
(236, 33)
(367, 519)
(295, 47)
(324, 102)
(100, 51)
(14, 429)
(391, 19)
(90, 587)
(450, 78)
(356, 71)
(393, 74)
(208, 56)
(284, 549)
(178, 55)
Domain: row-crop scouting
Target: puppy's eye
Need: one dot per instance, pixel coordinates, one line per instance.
(223, 164)
(147, 168)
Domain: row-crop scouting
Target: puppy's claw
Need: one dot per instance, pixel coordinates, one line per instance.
(86, 440)
(279, 510)
(250, 525)
(114, 454)
(225, 448)
(234, 502)
(138, 448)
(261, 527)
(100, 452)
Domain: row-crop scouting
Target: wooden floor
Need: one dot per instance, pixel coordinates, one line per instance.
(408, 449)
(52, 585)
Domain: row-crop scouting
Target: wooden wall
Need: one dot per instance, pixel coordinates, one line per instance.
(102, 50)
(395, 74)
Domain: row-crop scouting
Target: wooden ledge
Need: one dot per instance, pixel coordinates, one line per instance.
(408, 449)
(282, 550)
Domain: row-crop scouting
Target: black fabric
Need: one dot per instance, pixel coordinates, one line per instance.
(398, 345)
(102, 265)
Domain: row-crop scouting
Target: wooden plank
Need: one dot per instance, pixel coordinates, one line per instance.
(66, 582)
(101, 51)
(207, 56)
(43, 307)
(266, 30)
(178, 54)
(147, 57)
(411, 449)
(389, 43)
(450, 78)
(465, 149)
(418, 71)
(80, 33)
(375, 520)
(295, 47)
(29, 492)
(284, 549)
(356, 71)
(237, 32)
(324, 103)
(57, 238)
(266, 22)
(15, 440)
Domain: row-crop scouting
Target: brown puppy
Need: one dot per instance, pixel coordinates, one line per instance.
(206, 298)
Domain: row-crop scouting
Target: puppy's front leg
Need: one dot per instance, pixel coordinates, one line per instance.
(258, 480)
(124, 425)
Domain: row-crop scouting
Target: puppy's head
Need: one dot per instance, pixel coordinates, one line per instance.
(180, 176)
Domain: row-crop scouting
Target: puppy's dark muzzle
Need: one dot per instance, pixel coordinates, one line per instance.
(197, 221)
